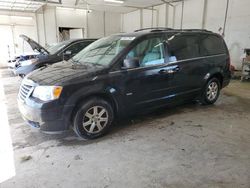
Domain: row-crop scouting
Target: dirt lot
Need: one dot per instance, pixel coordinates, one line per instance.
(186, 146)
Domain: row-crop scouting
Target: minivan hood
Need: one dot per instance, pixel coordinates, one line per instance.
(62, 73)
(34, 45)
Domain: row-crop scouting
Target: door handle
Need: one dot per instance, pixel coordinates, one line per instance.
(163, 71)
(176, 69)
(170, 70)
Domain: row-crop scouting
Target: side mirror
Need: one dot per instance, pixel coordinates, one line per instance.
(67, 53)
(131, 63)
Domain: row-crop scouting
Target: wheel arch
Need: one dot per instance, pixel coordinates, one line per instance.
(215, 74)
(219, 76)
(105, 96)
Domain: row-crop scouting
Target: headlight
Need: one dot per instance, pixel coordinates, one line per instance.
(28, 62)
(47, 93)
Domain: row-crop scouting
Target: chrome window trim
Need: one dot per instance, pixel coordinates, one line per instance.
(168, 63)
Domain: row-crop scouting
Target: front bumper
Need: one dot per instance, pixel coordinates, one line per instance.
(53, 118)
(11, 65)
(23, 70)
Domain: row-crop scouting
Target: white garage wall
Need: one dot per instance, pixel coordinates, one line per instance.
(215, 14)
(237, 35)
(6, 45)
(131, 21)
(50, 22)
(165, 16)
(162, 12)
(11, 26)
(143, 18)
(74, 18)
(112, 23)
(96, 24)
(193, 14)
(177, 16)
(41, 29)
(149, 18)
(170, 15)
(23, 47)
(238, 29)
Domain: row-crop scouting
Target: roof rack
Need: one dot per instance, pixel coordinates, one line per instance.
(157, 29)
(154, 29)
(202, 30)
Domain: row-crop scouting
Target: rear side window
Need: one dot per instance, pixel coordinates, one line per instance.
(181, 47)
(212, 45)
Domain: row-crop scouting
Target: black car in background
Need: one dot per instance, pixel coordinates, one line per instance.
(61, 51)
(124, 74)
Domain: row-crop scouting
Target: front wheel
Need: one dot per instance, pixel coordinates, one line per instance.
(22, 75)
(211, 92)
(93, 118)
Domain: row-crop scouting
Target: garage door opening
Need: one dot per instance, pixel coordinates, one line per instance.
(66, 33)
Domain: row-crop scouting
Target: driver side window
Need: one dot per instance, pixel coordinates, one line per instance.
(149, 52)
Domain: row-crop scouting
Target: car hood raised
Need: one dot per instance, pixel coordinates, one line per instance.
(62, 73)
(34, 45)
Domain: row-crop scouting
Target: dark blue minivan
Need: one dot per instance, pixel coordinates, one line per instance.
(124, 74)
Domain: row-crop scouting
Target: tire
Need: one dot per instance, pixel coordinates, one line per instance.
(93, 118)
(211, 92)
(22, 76)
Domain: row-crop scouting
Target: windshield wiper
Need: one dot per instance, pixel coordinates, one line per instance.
(77, 66)
(84, 64)
(75, 62)
(96, 64)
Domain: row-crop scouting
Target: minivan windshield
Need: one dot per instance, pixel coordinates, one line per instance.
(55, 48)
(103, 51)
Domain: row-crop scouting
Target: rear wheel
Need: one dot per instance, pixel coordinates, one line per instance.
(93, 118)
(211, 92)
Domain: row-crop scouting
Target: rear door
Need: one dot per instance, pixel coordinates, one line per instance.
(215, 50)
(184, 52)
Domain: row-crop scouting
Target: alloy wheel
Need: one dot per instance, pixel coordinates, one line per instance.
(212, 91)
(95, 119)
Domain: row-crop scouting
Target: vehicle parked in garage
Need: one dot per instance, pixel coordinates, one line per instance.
(61, 51)
(124, 74)
(24, 56)
(11, 64)
(21, 57)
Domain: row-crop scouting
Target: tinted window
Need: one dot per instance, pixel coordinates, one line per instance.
(183, 47)
(149, 52)
(77, 47)
(212, 45)
(55, 48)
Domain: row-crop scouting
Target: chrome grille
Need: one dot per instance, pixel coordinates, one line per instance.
(25, 90)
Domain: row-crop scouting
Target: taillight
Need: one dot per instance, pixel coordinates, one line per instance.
(232, 68)
(229, 63)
